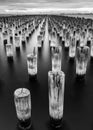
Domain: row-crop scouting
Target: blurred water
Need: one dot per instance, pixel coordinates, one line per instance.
(87, 16)
(78, 103)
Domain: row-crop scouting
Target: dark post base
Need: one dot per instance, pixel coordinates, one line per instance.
(71, 59)
(17, 48)
(5, 42)
(80, 77)
(24, 125)
(32, 77)
(23, 42)
(56, 123)
(10, 59)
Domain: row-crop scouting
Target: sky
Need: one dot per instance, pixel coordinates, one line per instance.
(39, 6)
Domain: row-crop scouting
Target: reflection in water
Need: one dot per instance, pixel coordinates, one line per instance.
(5, 42)
(15, 73)
(18, 128)
(32, 78)
(10, 60)
(45, 52)
(64, 126)
(71, 60)
(11, 40)
(27, 39)
(39, 53)
(1, 87)
(24, 47)
(5, 48)
(10, 63)
(18, 53)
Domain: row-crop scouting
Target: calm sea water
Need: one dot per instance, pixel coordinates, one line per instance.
(78, 97)
(87, 16)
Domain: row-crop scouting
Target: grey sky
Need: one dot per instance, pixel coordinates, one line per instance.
(43, 1)
(14, 5)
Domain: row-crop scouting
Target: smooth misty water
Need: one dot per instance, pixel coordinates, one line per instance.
(78, 100)
(87, 16)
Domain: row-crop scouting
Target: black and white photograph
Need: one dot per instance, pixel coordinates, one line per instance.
(46, 65)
